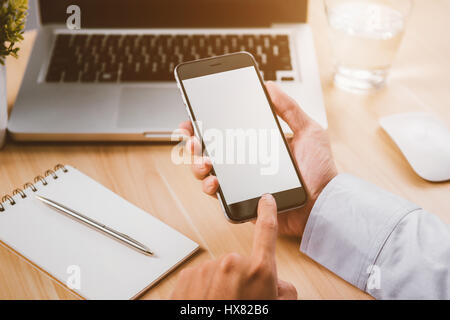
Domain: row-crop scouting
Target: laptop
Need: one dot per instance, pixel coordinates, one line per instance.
(113, 79)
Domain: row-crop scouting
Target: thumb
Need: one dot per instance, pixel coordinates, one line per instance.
(286, 291)
(288, 109)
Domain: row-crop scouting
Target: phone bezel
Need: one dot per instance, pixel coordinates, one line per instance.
(208, 66)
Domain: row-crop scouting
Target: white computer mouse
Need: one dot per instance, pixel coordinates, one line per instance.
(424, 140)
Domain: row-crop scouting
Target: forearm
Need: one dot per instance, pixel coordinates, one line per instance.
(356, 229)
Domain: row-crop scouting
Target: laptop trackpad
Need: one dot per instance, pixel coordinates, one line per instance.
(150, 109)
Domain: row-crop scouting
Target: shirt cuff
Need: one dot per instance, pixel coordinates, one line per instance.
(348, 226)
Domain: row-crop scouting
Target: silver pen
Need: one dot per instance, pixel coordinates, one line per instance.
(123, 238)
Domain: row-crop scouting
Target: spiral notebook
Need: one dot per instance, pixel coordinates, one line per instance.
(90, 263)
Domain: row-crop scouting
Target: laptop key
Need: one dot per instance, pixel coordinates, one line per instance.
(89, 77)
(71, 76)
(108, 77)
(54, 76)
(269, 75)
(80, 40)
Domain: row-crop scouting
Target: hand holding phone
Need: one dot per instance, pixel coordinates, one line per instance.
(311, 149)
(233, 116)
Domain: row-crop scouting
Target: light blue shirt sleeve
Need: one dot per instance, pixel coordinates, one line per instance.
(379, 242)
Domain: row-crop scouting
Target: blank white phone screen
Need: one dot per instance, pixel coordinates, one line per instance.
(240, 134)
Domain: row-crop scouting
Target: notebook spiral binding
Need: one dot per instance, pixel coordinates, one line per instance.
(32, 186)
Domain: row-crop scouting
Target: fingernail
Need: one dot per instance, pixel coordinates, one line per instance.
(268, 197)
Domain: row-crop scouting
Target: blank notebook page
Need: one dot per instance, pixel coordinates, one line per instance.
(108, 268)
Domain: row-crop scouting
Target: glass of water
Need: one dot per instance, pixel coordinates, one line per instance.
(365, 36)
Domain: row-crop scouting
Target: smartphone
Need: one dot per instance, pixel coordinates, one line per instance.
(233, 117)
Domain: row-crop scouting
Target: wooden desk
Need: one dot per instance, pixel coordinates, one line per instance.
(145, 175)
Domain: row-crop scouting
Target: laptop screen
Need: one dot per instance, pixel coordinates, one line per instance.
(176, 13)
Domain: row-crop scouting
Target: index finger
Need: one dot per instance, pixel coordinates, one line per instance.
(264, 241)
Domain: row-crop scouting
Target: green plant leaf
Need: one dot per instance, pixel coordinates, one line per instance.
(12, 22)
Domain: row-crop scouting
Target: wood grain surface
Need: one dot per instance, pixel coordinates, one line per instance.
(144, 174)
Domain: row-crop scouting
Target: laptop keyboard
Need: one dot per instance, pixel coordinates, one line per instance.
(135, 58)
